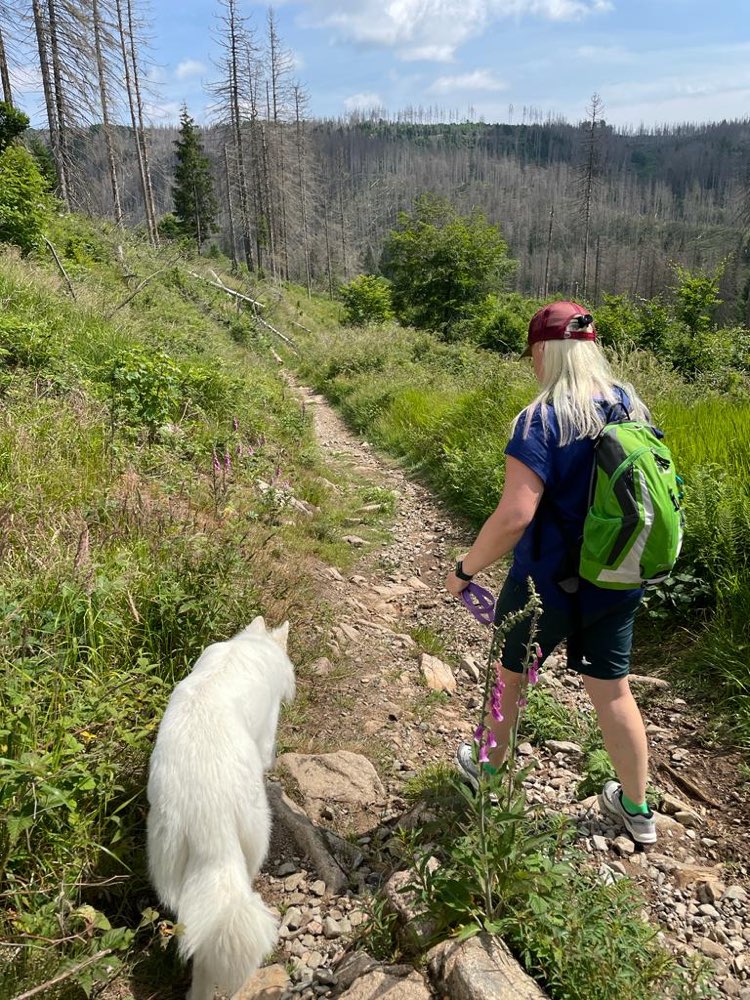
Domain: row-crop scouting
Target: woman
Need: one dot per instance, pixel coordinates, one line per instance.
(548, 472)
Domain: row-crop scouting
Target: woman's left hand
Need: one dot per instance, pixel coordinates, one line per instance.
(454, 586)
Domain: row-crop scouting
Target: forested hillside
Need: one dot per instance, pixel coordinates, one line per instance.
(678, 195)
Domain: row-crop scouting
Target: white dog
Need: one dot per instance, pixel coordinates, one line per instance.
(209, 822)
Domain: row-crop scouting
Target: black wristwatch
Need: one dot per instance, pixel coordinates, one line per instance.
(459, 571)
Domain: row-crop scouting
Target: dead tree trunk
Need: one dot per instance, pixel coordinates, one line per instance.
(4, 73)
(150, 221)
(42, 41)
(141, 129)
(101, 71)
(595, 110)
(230, 209)
(545, 289)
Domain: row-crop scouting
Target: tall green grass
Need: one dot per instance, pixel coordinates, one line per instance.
(133, 531)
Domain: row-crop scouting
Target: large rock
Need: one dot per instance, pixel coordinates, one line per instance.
(380, 985)
(415, 927)
(344, 783)
(481, 968)
(438, 675)
(268, 983)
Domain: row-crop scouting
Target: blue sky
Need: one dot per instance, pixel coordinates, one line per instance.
(652, 61)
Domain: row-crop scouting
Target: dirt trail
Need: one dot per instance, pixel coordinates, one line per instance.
(377, 703)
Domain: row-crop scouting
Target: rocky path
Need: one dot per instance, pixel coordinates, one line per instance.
(399, 641)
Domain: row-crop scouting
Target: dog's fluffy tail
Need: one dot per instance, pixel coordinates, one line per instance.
(227, 928)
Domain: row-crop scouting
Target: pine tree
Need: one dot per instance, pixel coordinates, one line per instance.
(193, 189)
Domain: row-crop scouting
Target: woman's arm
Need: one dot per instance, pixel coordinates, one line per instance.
(504, 527)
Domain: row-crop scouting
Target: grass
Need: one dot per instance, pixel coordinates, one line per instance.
(134, 532)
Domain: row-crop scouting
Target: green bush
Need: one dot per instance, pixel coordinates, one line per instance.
(146, 388)
(367, 299)
(442, 265)
(499, 323)
(25, 344)
(24, 199)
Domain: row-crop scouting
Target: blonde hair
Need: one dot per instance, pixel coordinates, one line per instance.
(575, 375)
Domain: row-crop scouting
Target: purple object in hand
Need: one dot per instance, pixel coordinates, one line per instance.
(480, 602)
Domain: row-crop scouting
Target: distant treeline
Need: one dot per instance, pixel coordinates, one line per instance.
(676, 194)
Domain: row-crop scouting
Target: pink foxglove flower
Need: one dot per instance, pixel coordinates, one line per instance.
(478, 733)
(227, 462)
(484, 757)
(217, 464)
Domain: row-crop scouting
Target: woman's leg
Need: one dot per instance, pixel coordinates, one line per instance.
(552, 628)
(623, 731)
(502, 730)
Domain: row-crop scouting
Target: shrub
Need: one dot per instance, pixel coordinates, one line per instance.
(25, 344)
(146, 388)
(12, 124)
(24, 201)
(367, 299)
(442, 265)
(499, 323)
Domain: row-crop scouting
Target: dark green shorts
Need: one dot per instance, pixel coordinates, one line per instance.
(599, 644)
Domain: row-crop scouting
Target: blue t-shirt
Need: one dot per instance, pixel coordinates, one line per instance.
(544, 551)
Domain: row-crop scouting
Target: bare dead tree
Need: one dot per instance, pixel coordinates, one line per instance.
(589, 170)
(139, 146)
(141, 130)
(102, 75)
(545, 289)
(230, 208)
(41, 30)
(300, 99)
(5, 73)
(233, 93)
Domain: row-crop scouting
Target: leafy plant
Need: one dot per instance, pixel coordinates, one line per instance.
(441, 264)
(146, 388)
(367, 299)
(24, 199)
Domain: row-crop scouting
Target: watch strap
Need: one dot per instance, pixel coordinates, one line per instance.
(460, 572)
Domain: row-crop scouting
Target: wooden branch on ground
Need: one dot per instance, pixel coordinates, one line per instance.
(43, 987)
(135, 291)
(218, 283)
(273, 329)
(294, 323)
(62, 270)
(688, 786)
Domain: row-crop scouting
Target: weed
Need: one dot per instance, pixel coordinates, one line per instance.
(428, 640)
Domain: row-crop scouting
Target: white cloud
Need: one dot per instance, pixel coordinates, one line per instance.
(478, 80)
(363, 102)
(434, 29)
(188, 68)
(162, 112)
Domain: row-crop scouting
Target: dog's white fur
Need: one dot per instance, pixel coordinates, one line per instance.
(209, 822)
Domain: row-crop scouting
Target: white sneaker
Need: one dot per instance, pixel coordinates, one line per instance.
(469, 770)
(641, 827)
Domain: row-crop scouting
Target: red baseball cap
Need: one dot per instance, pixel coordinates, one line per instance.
(560, 321)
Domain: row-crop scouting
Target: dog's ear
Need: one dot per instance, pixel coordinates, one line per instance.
(280, 635)
(256, 627)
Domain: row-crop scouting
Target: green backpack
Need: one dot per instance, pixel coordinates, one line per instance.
(633, 529)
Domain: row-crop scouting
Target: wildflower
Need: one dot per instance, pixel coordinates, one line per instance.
(478, 733)
(484, 757)
(227, 462)
(496, 702)
(217, 464)
(535, 664)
